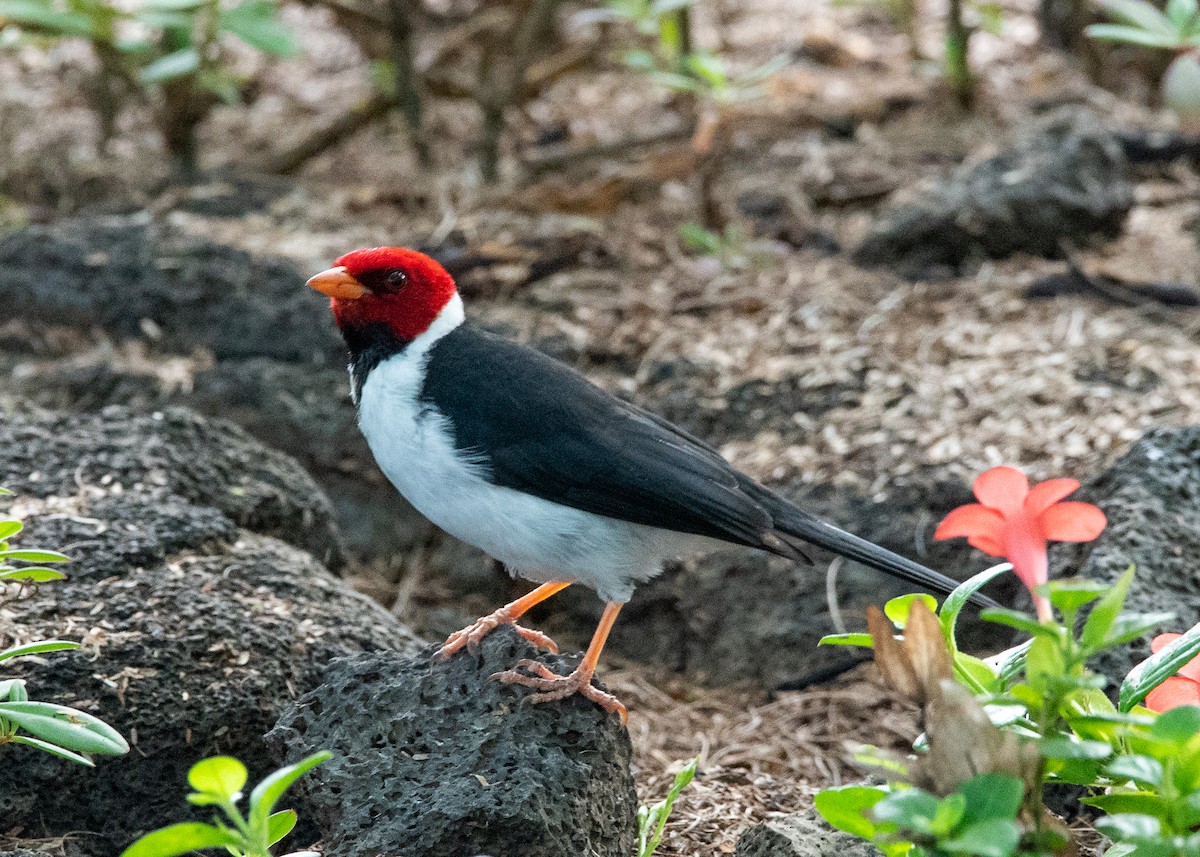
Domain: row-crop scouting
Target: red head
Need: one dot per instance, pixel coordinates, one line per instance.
(403, 289)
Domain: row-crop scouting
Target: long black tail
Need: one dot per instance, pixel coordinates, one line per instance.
(793, 522)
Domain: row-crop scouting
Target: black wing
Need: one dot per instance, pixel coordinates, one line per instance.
(544, 429)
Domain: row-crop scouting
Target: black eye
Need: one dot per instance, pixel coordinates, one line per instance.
(395, 280)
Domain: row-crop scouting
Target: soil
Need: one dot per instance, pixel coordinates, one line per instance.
(872, 398)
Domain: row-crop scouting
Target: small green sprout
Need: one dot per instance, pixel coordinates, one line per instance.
(652, 820)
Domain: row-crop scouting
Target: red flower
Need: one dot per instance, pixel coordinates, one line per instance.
(1183, 688)
(1014, 521)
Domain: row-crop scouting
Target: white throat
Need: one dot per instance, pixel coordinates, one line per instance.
(450, 317)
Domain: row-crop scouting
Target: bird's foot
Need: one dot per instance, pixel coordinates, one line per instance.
(471, 636)
(551, 686)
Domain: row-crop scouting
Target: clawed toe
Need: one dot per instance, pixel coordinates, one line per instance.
(550, 686)
(471, 636)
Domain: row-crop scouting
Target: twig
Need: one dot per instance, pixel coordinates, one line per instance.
(350, 122)
(566, 154)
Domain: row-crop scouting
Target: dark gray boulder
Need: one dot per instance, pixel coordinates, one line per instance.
(436, 760)
(801, 834)
(198, 625)
(1066, 184)
(1151, 496)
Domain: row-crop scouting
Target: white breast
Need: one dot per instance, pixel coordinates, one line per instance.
(414, 446)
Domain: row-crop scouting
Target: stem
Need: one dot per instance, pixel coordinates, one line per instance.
(407, 81)
(958, 69)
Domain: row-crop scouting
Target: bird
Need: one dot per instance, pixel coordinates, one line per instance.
(523, 457)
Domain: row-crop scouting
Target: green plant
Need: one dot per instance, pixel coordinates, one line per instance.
(180, 65)
(1175, 28)
(56, 729)
(652, 820)
(1037, 714)
(218, 782)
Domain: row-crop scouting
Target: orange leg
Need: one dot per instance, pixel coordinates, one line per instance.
(471, 635)
(552, 686)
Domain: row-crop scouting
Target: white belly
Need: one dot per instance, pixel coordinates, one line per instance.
(535, 538)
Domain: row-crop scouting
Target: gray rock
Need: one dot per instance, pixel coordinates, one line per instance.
(1067, 184)
(197, 628)
(1151, 496)
(802, 834)
(436, 760)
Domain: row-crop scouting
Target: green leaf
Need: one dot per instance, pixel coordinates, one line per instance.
(37, 648)
(949, 813)
(181, 839)
(1130, 626)
(255, 22)
(280, 825)
(1137, 803)
(1095, 629)
(34, 573)
(1156, 669)
(33, 555)
(52, 749)
(1128, 825)
(8, 529)
(1015, 619)
(66, 727)
(1139, 14)
(897, 608)
(6, 686)
(271, 789)
(1044, 664)
(219, 776)
(1131, 35)
(708, 68)
(174, 65)
(696, 237)
(957, 600)
(44, 17)
(1071, 594)
(862, 640)
(845, 807)
(1182, 13)
(910, 809)
(980, 674)
(991, 796)
(1140, 769)
(1065, 748)
(1178, 725)
(992, 837)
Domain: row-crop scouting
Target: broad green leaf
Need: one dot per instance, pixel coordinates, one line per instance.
(980, 675)
(910, 809)
(66, 727)
(1072, 593)
(280, 825)
(1137, 803)
(174, 65)
(1095, 629)
(181, 839)
(845, 808)
(8, 529)
(862, 640)
(1178, 725)
(1138, 13)
(256, 23)
(1128, 825)
(992, 796)
(992, 837)
(949, 813)
(220, 776)
(897, 608)
(37, 648)
(1140, 769)
(34, 573)
(53, 749)
(271, 789)
(957, 600)
(33, 555)
(1130, 626)
(1156, 669)
(1044, 664)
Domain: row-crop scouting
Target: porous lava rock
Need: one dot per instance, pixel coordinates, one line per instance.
(1151, 496)
(199, 621)
(125, 274)
(1066, 184)
(801, 834)
(436, 760)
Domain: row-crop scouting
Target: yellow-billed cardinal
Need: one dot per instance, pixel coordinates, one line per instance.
(524, 458)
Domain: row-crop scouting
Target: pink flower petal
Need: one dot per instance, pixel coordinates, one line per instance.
(986, 543)
(1162, 641)
(1045, 494)
(971, 520)
(1002, 488)
(1173, 693)
(1072, 522)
